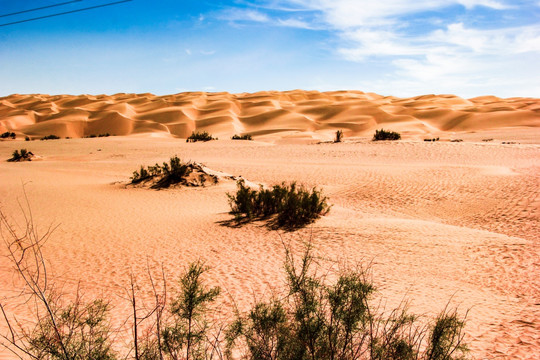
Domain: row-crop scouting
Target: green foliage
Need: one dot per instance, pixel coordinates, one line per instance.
(8, 134)
(294, 205)
(386, 135)
(241, 137)
(185, 336)
(327, 319)
(79, 332)
(50, 137)
(339, 136)
(199, 136)
(167, 174)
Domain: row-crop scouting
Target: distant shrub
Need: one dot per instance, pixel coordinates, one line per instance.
(100, 135)
(241, 137)
(50, 137)
(487, 140)
(22, 155)
(456, 140)
(386, 135)
(433, 139)
(199, 136)
(339, 136)
(294, 205)
(26, 138)
(8, 134)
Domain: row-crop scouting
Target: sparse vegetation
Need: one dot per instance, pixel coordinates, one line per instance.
(324, 320)
(200, 136)
(456, 140)
(294, 205)
(7, 135)
(339, 136)
(323, 317)
(26, 138)
(487, 140)
(50, 137)
(22, 155)
(432, 139)
(171, 173)
(99, 135)
(385, 135)
(241, 137)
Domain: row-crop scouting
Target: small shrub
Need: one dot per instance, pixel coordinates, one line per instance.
(8, 134)
(173, 172)
(487, 140)
(433, 139)
(95, 136)
(386, 135)
(26, 138)
(456, 140)
(21, 155)
(295, 206)
(339, 136)
(199, 136)
(241, 137)
(50, 137)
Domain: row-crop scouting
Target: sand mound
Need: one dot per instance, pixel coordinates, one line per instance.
(270, 114)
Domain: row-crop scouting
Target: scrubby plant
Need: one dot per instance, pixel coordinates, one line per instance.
(21, 155)
(241, 137)
(456, 140)
(26, 138)
(324, 319)
(432, 139)
(385, 135)
(8, 134)
(295, 206)
(339, 136)
(50, 137)
(199, 136)
(173, 172)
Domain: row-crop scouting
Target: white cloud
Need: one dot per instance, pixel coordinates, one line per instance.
(188, 51)
(241, 15)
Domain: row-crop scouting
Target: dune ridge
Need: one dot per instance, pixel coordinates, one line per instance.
(274, 114)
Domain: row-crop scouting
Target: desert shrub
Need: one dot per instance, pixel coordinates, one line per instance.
(432, 139)
(385, 135)
(50, 137)
(8, 134)
(173, 172)
(241, 137)
(324, 319)
(97, 135)
(21, 155)
(456, 140)
(295, 206)
(199, 136)
(26, 138)
(339, 136)
(185, 335)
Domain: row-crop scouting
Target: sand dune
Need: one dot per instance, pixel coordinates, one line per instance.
(271, 114)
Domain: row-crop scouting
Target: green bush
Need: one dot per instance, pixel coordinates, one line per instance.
(294, 205)
(241, 137)
(386, 135)
(199, 136)
(167, 174)
(327, 319)
(50, 137)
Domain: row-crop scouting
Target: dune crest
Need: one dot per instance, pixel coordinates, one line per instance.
(266, 113)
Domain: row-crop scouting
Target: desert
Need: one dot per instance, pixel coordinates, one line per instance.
(452, 222)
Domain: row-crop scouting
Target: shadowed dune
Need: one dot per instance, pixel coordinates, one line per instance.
(272, 114)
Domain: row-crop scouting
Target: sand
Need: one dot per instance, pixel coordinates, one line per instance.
(439, 222)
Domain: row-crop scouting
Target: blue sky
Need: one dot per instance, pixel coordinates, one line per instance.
(391, 47)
